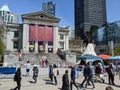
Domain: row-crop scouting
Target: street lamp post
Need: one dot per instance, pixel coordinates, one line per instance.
(112, 47)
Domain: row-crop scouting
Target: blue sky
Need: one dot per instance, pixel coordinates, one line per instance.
(64, 9)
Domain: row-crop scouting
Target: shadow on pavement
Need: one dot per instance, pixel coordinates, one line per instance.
(31, 81)
(47, 80)
(111, 84)
(60, 88)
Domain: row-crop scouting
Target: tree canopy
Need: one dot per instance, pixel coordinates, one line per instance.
(1, 36)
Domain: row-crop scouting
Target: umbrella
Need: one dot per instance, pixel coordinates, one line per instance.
(89, 56)
(114, 58)
(104, 56)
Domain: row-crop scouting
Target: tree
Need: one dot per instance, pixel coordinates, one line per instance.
(1, 47)
(116, 51)
(1, 36)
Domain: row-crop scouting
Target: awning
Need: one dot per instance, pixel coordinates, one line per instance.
(89, 56)
(104, 56)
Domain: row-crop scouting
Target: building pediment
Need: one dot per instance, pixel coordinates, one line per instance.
(40, 16)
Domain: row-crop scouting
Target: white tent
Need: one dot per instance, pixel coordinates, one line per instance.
(90, 50)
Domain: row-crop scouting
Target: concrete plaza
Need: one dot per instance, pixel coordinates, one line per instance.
(44, 84)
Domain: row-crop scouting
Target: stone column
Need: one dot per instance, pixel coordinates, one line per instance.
(66, 42)
(55, 39)
(36, 47)
(46, 47)
(25, 42)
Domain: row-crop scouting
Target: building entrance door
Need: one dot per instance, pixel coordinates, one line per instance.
(41, 47)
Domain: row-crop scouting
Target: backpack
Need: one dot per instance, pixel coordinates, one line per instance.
(35, 72)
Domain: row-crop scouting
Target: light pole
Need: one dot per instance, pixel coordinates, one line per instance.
(112, 47)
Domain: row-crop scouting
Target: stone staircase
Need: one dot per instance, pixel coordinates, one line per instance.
(35, 58)
(53, 58)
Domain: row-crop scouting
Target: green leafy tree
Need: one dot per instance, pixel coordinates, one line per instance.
(1, 37)
(1, 47)
(116, 51)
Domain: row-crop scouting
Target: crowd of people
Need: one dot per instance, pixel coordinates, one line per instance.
(68, 80)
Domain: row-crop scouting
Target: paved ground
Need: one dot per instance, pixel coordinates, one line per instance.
(43, 82)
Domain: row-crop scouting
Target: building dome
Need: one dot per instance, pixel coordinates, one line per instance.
(5, 8)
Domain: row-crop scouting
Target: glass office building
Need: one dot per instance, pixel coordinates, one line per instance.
(107, 34)
(49, 7)
(89, 15)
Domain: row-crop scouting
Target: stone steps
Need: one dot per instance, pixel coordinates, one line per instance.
(35, 58)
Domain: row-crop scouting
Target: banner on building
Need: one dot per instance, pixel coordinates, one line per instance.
(40, 33)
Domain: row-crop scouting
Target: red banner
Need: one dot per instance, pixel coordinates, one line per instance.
(40, 33)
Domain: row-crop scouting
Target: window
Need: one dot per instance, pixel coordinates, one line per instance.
(11, 19)
(62, 45)
(15, 45)
(16, 34)
(8, 18)
(61, 36)
(31, 46)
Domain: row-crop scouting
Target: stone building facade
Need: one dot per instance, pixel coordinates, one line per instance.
(39, 32)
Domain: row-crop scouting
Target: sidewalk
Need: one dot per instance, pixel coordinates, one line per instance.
(43, 83)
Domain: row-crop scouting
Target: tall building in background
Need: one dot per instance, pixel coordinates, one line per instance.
(7, 16)
(49, 7)
(11, 30)
(89, 15)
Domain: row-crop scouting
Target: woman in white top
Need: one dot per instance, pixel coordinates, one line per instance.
(28, 65)
(55, 73)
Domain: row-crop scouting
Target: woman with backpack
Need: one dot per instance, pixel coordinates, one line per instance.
(35, 73)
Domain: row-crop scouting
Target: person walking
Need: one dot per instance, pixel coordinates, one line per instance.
(111, 74)
(85, 75)
(55, 70)
(89, 76)
(28, 65)
(46, 62)
(98, 71)
(51, 73)
(35, 73)
(17, 79)
(73, 77)
(65, 81)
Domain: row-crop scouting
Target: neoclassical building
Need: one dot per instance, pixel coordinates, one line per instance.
(39, 32)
